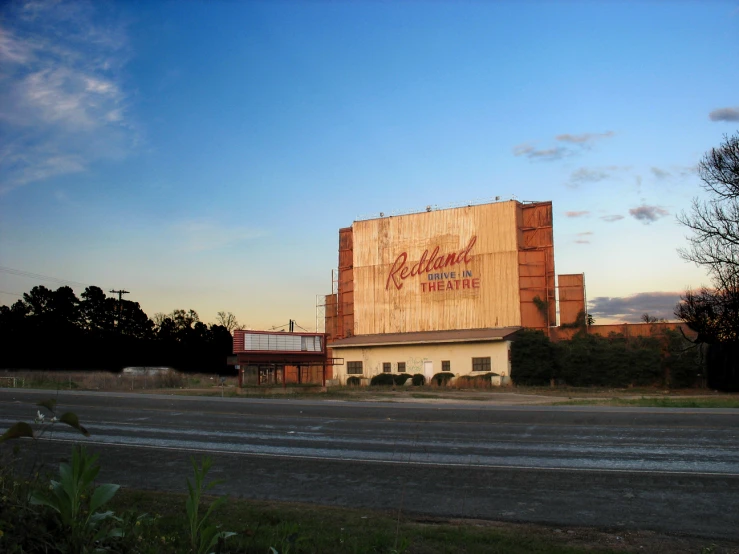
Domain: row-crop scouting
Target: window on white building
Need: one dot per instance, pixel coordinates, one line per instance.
(481, 364)
(354, 368)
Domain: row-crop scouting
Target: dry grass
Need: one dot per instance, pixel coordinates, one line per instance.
(106, 380)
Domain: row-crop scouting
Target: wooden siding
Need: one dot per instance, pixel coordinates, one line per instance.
(380, 306)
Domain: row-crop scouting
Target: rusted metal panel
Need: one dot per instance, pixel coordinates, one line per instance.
(345, 312)
(331, 315)
(571, 297)
(537, 215)
(625, 329)
(536, 265)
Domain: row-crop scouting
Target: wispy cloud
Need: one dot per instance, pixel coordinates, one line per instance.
(648, 214)
(577, 214)
(586, 139)
(660, 174)
(582, 238)
(586, 175)
(574, 145)
(631, 308)
(546, 154)
(724, 114)
(611, 218)
(61, 94)
(198, 235)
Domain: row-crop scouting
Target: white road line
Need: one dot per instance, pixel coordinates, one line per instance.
(401, 462)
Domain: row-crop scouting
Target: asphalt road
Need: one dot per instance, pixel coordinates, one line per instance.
(664, 469)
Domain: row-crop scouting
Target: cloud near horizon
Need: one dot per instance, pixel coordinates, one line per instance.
(577, 214)
(724, 114)
(62, 99)
(631, 308)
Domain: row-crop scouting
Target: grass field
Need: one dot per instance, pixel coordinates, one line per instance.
(301, 528)
(647, 402)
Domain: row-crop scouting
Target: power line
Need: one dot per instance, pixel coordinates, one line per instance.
(30, 275)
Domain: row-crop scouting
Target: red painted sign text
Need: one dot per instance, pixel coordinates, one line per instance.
(429, 263)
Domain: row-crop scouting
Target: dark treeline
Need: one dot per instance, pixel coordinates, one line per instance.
(666, 359)
(50, 329)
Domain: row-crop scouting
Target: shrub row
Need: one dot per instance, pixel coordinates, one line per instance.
(389, 379)
(667, 359)
(476, 380)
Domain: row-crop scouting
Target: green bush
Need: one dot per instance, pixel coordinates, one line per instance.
(614, 361)
(353, 381)
(418, 379)
(401, 378)
(681, 363)
(382, 379)
(441, 379)
(476, 380)
(533, 360)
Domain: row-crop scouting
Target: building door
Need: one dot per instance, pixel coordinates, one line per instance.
(428, 370)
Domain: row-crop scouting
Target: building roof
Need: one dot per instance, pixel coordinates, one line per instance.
(426, 337)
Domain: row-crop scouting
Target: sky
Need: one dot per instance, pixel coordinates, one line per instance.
(203, 155)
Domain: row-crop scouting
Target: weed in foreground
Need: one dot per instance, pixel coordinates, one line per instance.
(76, 501)
(203, 535)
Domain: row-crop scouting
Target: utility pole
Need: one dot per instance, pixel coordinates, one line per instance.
(120, 294)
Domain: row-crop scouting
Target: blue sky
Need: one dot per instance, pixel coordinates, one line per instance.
(204, 154)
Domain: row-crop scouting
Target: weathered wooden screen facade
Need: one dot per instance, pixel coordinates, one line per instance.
(485, 266)
(481, 266)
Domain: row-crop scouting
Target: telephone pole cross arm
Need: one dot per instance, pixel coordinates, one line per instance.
(120, 293)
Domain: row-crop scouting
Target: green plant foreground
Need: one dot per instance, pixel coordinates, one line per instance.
(299, 528)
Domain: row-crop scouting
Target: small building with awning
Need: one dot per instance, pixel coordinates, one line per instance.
(276, 358)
